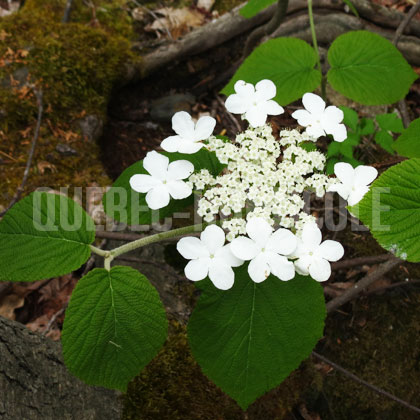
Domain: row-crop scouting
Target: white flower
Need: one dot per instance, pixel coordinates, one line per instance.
(314, 256)
(164, 180)
(320, 120)
(266, 250)
(354, 181)
(209, 257)
(189, 134)
(254, 103)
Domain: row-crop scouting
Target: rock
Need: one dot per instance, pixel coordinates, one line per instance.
(65, 150)
(164, 108)
(91, 127)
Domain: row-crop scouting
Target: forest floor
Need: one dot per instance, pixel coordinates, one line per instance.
(377, 336)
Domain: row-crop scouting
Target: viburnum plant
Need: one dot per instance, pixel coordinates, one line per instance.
(258, 261)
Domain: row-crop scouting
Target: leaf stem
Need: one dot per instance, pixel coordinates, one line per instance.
(99, 251)
(155, 238)
(315, 46)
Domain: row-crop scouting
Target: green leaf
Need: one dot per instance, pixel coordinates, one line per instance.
(385, 140)
(366, 127)
(255, 6)
(390, 122)
(391, 210)
(351, 7)
(125, 205)
(408, 144)
(350, 117)
(44, 235)
(115, 324)
(369, 69)
(288, 62)
(248, 339)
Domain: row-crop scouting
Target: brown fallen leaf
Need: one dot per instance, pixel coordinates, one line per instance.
(43, 166)
(176, 21)
(8, 305)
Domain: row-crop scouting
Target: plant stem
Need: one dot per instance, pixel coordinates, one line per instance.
(315, 45)
(155, 238)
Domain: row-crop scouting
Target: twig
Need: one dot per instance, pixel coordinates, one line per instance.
(366, 384)
(362, 284)
(267, 29)
(53, 319)
(128, 237)
(19, 191)
(67, 11)
(394, 286)
(401, 27)
(230, 116)
(339, 265)
(405, 22)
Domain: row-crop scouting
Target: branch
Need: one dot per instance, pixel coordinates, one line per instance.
(362, 284)
(405, 22)
(366, 384)
(339, 265)
(267, 29)
(67, 11)
(19, 191)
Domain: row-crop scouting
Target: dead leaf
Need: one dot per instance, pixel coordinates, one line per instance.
(338, 288)
(43, 166)
(8, 305)
(138, 13)
(205, 4)
(176, 21)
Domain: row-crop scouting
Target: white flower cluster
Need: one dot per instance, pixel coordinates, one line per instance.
(260, 190)
(264, 176)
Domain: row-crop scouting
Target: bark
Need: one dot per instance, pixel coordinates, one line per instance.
(35, 384)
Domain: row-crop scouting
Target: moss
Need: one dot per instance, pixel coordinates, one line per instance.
(172, 387)
(381, 344)
(226, 5)
(77, 65)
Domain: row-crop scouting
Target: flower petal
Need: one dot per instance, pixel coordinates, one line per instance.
(258, 268)
(171, 144)
(315, 130)
(271, 108)
(178, 189)
(189, 147)
(364, 175)
(302, 265)
(282, 241)
(320, 269)
(226, 255)
(280, 266)
(143, 183)
(344, 172)
(183, 125)
(343, 190)
(339, 133)
(356, 194)
(236, 104)
(179, 169)
(191, 248)
(204, 128)
(311, 235)
(197, 270)
(213, 238)
(158, 197)
(244, 89)
(259, 230)
(221, 275)
(313, 103)
(265, 90)
(156, 164)
(330, 250)
(303, 117)
(256, 116)
(333, 115)
(244, 248)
